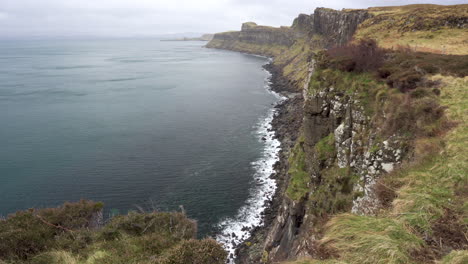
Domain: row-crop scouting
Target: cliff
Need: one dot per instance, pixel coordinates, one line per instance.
(336, 27)
(254, 39)
(357, 175)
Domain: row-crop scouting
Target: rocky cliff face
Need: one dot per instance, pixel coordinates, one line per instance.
(336, 27)
(341, 178)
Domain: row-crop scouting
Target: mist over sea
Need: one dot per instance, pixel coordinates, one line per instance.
(131, 123)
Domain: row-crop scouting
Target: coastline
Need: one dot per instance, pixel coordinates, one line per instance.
(285, 125)
(279, 136)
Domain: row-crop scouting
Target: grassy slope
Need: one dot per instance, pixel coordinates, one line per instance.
(422, 27)
(435, 184)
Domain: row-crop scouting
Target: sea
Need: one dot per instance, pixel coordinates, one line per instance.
(139, 124)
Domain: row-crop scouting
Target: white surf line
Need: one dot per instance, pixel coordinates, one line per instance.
(238, 229)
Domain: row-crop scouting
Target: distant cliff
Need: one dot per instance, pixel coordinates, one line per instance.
(336, 27)
(254, 39)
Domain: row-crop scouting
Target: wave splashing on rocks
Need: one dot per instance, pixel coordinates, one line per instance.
(236, 230)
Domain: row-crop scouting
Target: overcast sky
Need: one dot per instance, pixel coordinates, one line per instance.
(126, 18)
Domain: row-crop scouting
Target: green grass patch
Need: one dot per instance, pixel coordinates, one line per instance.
(361, 86)
(298, 186)
(334, 193)
(325, 148)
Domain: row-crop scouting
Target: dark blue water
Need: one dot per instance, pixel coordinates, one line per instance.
(130, 123)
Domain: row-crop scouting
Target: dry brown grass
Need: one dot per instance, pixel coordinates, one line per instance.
(426, 28)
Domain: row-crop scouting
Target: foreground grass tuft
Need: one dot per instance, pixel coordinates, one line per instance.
(361, 239)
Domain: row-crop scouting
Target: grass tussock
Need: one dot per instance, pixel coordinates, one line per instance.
(361, 239)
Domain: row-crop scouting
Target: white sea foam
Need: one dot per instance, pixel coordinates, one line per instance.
(237, 229)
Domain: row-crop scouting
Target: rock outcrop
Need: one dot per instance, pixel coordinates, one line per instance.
(337, 26)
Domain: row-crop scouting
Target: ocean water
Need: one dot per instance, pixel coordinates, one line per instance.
(137, 123)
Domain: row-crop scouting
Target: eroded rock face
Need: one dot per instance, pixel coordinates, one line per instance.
(357, 148)
(337, 26)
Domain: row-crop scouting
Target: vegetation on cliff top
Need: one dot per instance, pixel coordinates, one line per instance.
(72, 233)
(429, 28)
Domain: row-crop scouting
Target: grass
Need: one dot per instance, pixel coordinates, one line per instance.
(362, 86)
(315, 261)
(431, 187)
(295, 60)
(361, 239)
(455, 257)
(429, 28)
(325, 148)
(334, 193)
(298, 186)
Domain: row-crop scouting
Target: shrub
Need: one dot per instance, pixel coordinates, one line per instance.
(196, 252)
(360, 57)
(176, 225)
(419, 116)
(30, 232)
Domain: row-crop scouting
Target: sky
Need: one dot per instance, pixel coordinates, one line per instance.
(146, 18)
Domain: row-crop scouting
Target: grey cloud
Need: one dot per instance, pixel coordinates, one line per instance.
(24, 18)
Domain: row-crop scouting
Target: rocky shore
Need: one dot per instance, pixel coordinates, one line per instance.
(286, 124)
